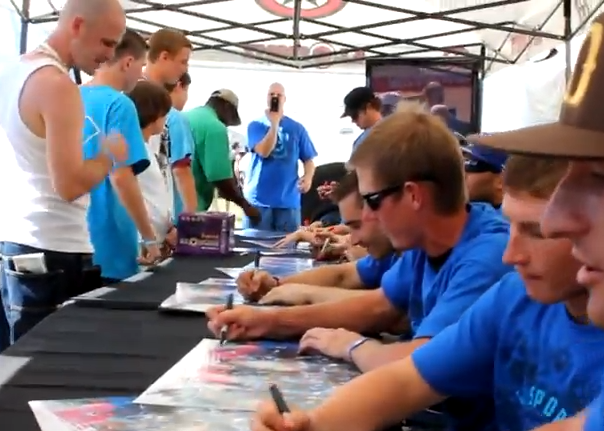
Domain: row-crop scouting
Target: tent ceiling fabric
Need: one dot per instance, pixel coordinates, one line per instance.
(320, 33)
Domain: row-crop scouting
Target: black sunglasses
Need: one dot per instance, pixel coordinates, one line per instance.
(374, 200)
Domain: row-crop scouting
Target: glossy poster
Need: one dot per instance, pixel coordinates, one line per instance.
(199, 297)
(121, 414)
(236, 376)
(277, 266)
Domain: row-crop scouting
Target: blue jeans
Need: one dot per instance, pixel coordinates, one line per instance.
(276, 219)
(28, 298)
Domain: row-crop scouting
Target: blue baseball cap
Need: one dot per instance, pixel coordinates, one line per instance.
(483, 159)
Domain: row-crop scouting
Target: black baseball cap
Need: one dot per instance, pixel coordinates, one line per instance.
(356, 100)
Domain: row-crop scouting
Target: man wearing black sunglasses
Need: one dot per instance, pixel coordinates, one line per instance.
(410, 172)
(483, 167)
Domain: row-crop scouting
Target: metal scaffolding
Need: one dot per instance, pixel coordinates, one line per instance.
(386, 46)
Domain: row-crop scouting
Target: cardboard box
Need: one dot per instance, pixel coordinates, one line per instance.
(205, 233)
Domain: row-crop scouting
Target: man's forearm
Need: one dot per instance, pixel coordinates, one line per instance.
(322, 294)
(129, 193)
(369, 313)
(329, 275)
(185, 183)
(358, 406)
(266, 146)
(309, 169)
(373, 354)
(229, 190)
(92, 172)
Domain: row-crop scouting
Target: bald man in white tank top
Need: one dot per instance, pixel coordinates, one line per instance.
(44, 179)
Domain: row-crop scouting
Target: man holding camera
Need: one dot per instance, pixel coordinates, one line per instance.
(272, 184)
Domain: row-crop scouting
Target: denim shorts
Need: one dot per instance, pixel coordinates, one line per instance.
(27, 298)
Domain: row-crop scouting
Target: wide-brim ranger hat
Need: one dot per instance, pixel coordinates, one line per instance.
(579, 131)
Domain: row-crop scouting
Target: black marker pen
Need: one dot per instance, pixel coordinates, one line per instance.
(277, 397)
(225, 328)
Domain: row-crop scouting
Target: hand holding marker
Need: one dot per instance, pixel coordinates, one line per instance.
(225, 328)
(277, 397)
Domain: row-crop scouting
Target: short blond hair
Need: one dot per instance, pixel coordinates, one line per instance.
(537, 176)
(414, 145)
(166, 40)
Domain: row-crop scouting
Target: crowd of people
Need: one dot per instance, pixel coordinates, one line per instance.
(478, 257)
(482, 265)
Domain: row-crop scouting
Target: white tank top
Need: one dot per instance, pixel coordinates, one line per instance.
(32, 212)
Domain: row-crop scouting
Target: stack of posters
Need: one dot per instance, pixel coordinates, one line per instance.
(199, 297)
(234, 377)
(121, 414)
(277, 266)
(214, 387)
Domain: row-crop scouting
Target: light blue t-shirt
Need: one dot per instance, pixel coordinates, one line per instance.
(273, 181)
(594, 417)
(360, 139)
(112, 232)
(371, 270)
(436, 298)
(180, 147)
(532, 359)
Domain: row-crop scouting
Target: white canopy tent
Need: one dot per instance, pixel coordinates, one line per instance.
(319, 33)
(527, 94)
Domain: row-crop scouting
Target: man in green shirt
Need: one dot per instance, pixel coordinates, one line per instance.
(211, 162)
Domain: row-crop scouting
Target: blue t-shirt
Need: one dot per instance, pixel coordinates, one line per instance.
(181, 147)
(534, 361)
(371, 270)
(112, 232)
(594, 416)
(360, 139)
(434, 299)
(273, 181)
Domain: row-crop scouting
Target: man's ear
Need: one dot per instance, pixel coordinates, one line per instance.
(498, 182)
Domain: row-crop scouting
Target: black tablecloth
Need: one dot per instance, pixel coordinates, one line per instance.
(148, 293)
(118, 345)
(79, 352)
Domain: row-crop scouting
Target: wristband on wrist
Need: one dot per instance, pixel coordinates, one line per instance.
(354, 345)
(147, 242)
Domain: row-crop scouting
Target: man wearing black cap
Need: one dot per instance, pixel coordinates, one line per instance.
(364, 109)
(483, 166)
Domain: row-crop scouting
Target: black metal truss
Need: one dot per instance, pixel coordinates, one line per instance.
(203, 40)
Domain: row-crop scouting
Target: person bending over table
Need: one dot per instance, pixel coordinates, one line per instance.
(212, 167)
(153, 105)
(330, 282)
(44, 175)
(575, 209)
(410, 171)
(527, 342)
(167, 65)
(117, 212)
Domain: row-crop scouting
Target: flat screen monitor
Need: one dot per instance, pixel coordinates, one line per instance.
(448, 86)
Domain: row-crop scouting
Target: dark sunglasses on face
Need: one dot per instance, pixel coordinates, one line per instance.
(374, 200)
(480, 167)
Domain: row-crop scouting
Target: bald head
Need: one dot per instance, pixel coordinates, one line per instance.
(276, 90)
(91, 9)
(90, 30)
(441, 111)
